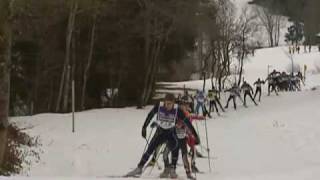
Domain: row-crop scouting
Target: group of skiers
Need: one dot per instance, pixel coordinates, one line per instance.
(174, 129)
(284, 82)
(174, 122)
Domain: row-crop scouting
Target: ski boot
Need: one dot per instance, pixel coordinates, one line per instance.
(135, 173)
(173, 173)
(194, 168)
(189, 176)
(165, 173)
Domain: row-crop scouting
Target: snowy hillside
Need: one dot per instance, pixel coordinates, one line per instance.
(277, 58)
(278, 140)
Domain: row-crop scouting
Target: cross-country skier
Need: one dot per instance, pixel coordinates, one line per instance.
(201, 99)
(167, 115)
(258, 85)
(188, 97)
(247, 89)
(182, 134)
(273, 81)
(214, 100)
(234, 92)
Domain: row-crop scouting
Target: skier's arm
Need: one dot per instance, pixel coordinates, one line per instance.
(150, 115)
(196, 117)
(187, 122)
(148, 119)
(191, 128)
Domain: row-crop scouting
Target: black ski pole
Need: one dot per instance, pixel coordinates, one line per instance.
(195, 157)
(161, 150)
(205, 124)
(147, 141)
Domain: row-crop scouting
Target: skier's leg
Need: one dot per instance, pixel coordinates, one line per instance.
(174, 146)
(166, 171)
(245, 99)
(250, 95)
(205, 111)
(192, 107)
(154, 157)
(218, 101)
(229, 99)
(165, 156)
(255, 94)
(203, 108)
(260, 94)
(184, 152)
(157, 139)
(155, 142)
(153, 161)
(197, 108)
(275, 90)
(234, 102)
(210, 106)
(215, 106)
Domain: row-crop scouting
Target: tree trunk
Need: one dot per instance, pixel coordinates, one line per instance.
(66, 90)
(70, 29)
(153, 72)
(146, 56)
(243, 49)
(87, 68)
(5, 59)
(271, 37)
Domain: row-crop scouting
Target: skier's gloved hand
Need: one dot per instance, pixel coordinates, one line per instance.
(153, 125)
(144, 133)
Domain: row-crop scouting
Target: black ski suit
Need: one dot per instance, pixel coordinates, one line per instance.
(164, 136)
(273, 81)
(234, 93)
(247, 92)
(258, 85)
(214, 100)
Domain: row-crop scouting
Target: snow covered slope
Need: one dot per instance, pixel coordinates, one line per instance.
(276, 58)
(278, 140)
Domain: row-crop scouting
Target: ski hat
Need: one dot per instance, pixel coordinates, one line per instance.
(169, 97)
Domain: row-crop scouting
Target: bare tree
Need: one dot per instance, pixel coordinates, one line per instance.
(271, 21)
(65, 77)
(246, 26)
(222, 44)
(159, 23)
(88, 65)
